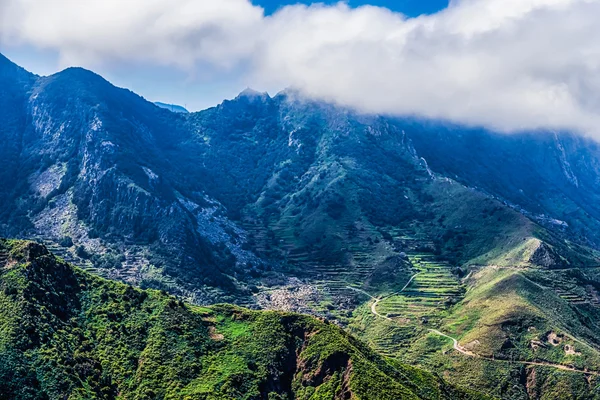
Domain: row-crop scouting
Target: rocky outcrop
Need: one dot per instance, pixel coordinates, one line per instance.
(546, 257)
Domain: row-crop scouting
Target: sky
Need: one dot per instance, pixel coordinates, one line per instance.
(507, 65)
(412, 8)
(196, 90)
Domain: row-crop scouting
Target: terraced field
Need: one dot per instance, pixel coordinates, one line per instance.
(420, 305)
(572, 285)
(571, 297)
(131, 267)
(410, 311)
(429, 294)
(391, 339)
(579, 295)
(66, 254)
(339, 280)
(330, 270)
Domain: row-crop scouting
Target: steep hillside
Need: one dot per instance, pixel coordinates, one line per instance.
(15, 82)
(111, 182)
(224, 197)
(392, 228)
(219, 198)
(551, 177)
(319, 173)
(68, 334)
(517, 333)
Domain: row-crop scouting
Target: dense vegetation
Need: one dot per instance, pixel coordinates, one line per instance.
(68, 334)
(98, 169)
(492, 239)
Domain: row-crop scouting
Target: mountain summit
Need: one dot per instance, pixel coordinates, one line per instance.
(464, 251)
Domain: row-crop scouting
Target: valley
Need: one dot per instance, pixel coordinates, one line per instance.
(418, 320)
(67, 333)
(424, 240)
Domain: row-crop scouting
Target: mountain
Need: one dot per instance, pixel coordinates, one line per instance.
(111, 179)
(172, 107)
(317, 167)
(463, 251)
(68, 334)
(398, 249)
(551, 177)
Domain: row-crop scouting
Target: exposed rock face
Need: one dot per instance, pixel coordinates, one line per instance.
(544, 256)
(187, 202)
(93, 160)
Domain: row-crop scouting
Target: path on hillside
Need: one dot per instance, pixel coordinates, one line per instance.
(457, 346)
(407, 283)
(378, 299)
(466, 352)
(373, 305)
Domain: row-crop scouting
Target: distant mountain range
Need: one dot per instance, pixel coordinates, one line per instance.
(172, 107)
(388, 227)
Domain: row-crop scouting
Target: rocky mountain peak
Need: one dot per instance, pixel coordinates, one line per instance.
(253, 95)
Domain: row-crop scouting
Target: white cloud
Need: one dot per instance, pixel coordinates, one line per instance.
(505, 64)
(168, 32)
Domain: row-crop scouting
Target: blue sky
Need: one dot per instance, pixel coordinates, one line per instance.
(196, 91)
(408, 7)
(507, 65)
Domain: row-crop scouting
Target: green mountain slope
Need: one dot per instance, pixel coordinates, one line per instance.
(68, 334)
(231, 196)
(520, 333)
(387, 227)
(551, 177)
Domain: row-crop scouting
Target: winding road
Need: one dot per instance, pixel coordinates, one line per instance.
(457, 346)
(374, 304)
(461, 349)
(378, 299)
(466, 352)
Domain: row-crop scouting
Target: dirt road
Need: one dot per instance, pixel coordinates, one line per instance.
(462, 350)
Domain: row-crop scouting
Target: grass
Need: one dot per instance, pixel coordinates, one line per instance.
(68, 334)
(506, 313)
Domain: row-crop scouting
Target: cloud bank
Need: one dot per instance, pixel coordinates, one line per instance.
(508, 65)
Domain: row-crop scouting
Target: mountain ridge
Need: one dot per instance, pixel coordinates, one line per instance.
(172, 107)
(88, 337)
(287, 203)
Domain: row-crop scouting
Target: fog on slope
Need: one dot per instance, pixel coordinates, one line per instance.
(507, 65)
(290, 203)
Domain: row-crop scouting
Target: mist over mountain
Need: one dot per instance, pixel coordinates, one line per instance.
(392, 228)
(506, 64)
